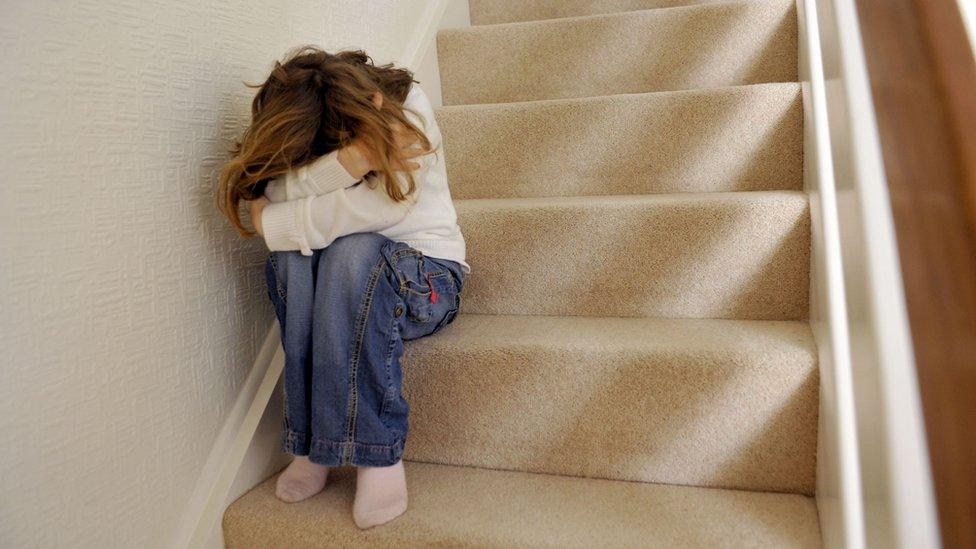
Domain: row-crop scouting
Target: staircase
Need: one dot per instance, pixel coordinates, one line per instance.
(632, 366)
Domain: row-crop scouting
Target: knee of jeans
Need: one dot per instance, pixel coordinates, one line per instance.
(352, 256)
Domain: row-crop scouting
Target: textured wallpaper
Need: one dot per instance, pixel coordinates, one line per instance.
(131, 312)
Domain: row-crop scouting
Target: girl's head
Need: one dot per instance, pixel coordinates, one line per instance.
(313, 103)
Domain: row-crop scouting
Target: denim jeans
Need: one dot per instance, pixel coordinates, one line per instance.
(344, 313)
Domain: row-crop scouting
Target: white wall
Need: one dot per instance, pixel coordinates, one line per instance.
(131, 310)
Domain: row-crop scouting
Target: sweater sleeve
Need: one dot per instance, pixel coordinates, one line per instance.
(314, 222)
(322, 176)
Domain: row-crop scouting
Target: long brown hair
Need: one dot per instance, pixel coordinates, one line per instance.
(314, 103)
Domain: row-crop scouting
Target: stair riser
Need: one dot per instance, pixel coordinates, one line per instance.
(736, 139)
(490, 12)
(653, 50)
(741, 256)
(732, 418)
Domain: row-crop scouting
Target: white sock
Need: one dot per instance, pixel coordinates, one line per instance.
(381, 495)
(301, 480)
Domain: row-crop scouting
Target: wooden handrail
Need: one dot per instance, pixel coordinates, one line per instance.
(923, 84)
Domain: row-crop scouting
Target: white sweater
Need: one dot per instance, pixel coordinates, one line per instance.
(318, 203)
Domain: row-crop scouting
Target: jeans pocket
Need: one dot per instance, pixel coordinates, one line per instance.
(451, 313)
(415, 283)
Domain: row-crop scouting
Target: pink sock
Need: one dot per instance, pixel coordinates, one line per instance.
(301, 480)
(381, 495)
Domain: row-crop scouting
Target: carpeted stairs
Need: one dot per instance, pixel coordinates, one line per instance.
(632, 366)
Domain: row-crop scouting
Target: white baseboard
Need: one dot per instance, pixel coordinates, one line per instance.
(262, 459)
(206, 507)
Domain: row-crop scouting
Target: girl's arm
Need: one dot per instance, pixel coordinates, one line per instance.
(314, 222)
(337, 170)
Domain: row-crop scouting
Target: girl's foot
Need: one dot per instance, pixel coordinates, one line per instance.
(381, 495)
(301, 480)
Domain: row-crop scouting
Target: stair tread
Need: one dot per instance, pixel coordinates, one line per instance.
(542, 103)
(490, 12)
(741, 138)
(468, 507)
(662, 10)
(704, 46)
(630, 200)
(745, 338)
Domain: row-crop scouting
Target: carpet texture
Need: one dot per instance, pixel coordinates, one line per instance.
(462, 507)
(632, 366)
(721, 403)
(746, 138)
(704, 46)
(489, 12)
(708, 255)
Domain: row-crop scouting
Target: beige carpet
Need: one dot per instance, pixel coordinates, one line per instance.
(488, 12)
(462, 507)
(707, 46)
(708, 255)
(662, 142)
(633, 342)
(699, 402)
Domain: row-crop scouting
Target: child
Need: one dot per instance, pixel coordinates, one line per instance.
(340, 171)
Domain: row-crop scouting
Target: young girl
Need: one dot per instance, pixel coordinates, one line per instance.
(341, 175)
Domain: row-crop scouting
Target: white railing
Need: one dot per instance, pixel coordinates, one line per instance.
(873, 486)
(838, 473)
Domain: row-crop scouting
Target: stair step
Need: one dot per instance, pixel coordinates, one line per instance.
(700, 255)
(720, 403)
(745, 138)
(464, 507)
(706, 46)
(490, 12)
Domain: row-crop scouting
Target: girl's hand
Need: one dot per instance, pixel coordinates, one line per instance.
(358, 160)
(254, 208)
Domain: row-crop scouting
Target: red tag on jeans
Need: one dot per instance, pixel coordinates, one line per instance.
(433, 292)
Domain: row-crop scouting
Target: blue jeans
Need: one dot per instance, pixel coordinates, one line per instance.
(344, 313)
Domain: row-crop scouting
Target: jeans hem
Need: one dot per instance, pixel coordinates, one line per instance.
(331, 453)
